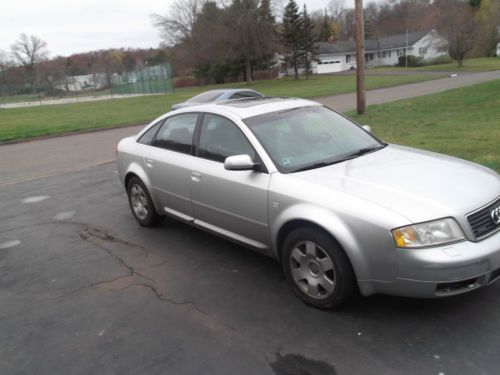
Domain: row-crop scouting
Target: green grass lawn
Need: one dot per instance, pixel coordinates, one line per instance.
(480, 64)
(463, 122)
(28, 122)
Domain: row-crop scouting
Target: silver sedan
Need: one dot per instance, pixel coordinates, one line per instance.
(343, 212)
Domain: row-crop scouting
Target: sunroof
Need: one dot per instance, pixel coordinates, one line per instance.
(252, 102)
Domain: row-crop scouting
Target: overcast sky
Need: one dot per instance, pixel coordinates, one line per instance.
(78, 26)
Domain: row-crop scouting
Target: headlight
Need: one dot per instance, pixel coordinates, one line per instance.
(432, 233)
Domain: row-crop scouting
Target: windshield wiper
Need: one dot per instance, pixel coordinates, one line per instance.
(351, 155)
(362, 151)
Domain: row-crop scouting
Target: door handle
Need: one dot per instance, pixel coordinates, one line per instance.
(196, 176)
(150, 163)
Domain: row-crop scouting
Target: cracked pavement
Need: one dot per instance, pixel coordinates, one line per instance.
(93, 292)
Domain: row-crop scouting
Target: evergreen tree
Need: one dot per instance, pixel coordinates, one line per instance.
(325, 31)
(308, 42)
(291, 36)
(265, 12)
(268, 43)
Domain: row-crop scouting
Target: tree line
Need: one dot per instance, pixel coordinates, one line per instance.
(28, 69)
(226, 40)
(222, 40)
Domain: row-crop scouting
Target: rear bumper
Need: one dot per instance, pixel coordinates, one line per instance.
(444, 271)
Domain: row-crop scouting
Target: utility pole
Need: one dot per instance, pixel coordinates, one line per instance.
(360, 57)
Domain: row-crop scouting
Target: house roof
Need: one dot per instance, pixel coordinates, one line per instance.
(371, 45)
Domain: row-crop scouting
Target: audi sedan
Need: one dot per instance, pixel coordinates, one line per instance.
(342, 211)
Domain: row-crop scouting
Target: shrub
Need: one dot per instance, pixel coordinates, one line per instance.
(445, 59)
(412, 61)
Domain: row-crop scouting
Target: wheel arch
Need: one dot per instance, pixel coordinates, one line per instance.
(325, 221)
(135, 170)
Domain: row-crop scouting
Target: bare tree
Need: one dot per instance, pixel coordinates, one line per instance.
(176, 26)
(277, 8)
(5, 64)
(347, 26)
(336, 9)
(5, 61)
(457, 25)
(28, 51)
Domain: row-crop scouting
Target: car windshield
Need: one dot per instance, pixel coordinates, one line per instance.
(206, 97)
(310, 137)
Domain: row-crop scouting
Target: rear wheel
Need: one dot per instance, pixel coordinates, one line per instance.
(141, 203)
(318, 269)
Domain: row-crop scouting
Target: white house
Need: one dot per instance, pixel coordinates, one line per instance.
(83, 82)
(340, 56)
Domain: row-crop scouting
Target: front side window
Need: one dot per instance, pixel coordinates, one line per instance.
(220, 138)
(148, 136)
(177, 132)
(310, 137)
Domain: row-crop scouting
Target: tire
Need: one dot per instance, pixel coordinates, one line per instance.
(318, 269)
(141, 203)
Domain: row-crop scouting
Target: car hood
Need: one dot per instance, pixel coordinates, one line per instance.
(417, 184)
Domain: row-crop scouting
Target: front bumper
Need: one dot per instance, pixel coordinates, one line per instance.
(444, 271)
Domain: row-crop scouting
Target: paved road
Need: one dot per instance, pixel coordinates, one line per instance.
(67, 100)
(85, 290)
(50, 156)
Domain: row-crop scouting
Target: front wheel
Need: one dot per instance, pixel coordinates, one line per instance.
(141, 203)
(318, 269)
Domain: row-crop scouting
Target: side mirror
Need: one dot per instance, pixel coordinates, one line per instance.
(239, 163)
(367, 128)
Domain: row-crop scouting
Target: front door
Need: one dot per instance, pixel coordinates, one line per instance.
(233, 203)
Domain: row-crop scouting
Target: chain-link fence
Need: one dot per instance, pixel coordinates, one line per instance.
(55, 87)
(149, 80)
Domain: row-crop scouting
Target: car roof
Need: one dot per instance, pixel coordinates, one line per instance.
(227, 90)
(236, 90)
(250, 107)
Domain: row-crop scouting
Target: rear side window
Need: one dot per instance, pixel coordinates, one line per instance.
(221, 138)
(176, 133)
(147, 137)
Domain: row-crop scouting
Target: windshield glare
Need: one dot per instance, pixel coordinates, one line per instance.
(303, 137)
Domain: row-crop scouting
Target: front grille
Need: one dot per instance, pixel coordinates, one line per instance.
(481, 221)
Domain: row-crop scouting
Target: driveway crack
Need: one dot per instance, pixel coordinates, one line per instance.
(161, 297)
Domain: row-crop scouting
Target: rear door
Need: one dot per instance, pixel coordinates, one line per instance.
(170, 162)
(233, 203)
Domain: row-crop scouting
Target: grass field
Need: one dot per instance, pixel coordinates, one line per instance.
(480, 64)
(28, 122)
(463, 122)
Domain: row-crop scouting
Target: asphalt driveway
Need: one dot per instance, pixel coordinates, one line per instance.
(85, 290)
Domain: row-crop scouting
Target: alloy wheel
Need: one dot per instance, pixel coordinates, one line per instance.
(312, 269)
